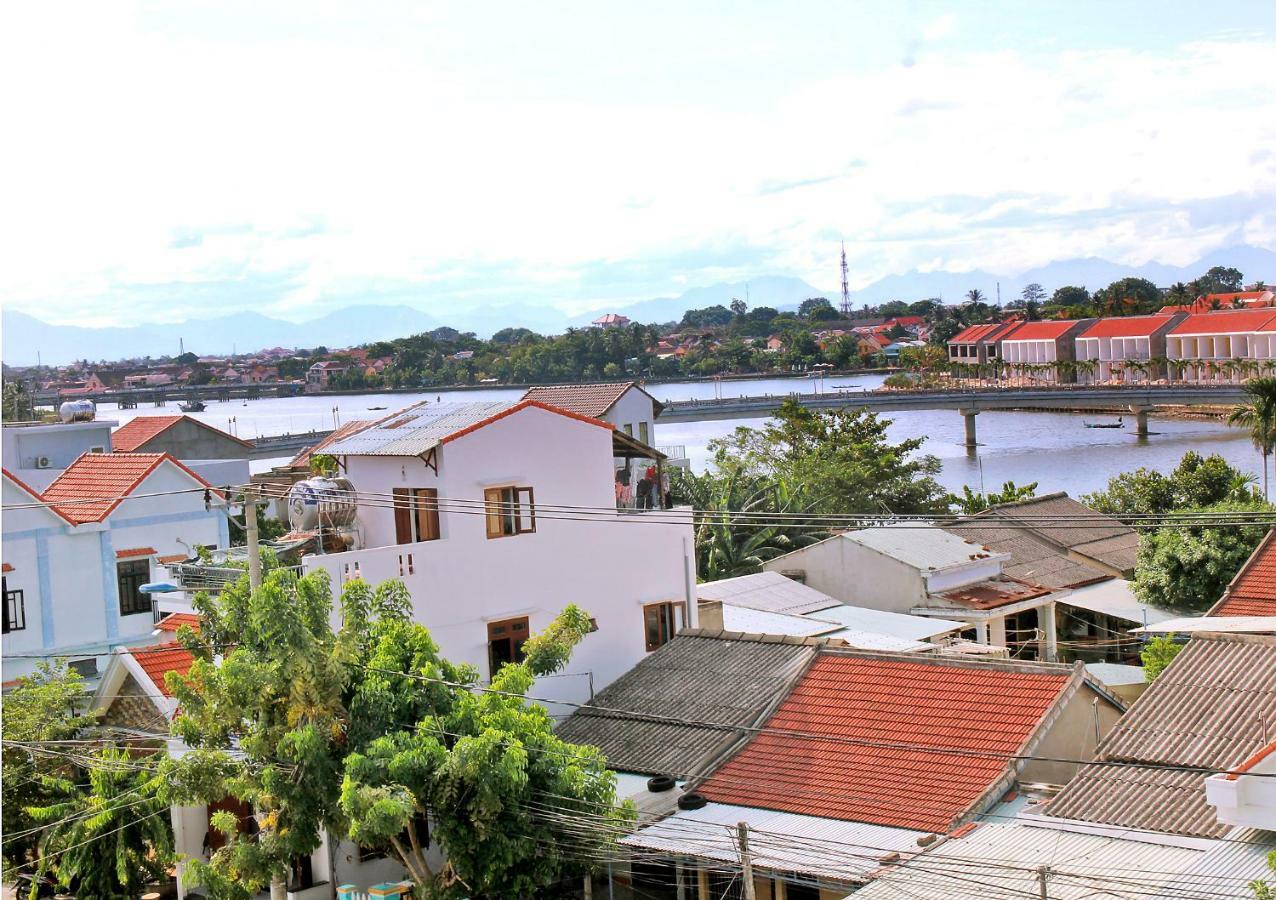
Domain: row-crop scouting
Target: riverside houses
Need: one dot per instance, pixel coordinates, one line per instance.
(74, 569)
(496, 516)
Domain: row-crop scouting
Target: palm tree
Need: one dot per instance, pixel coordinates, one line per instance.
(1258, 414)
(975, 295)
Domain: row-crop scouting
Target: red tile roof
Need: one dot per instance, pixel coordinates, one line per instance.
(158, 660)
(890, 740)
(6, 567)
(104, 478)
(1230, 322)
(173, 621)
(592, 400)
(137, 433)
(31, 492)
(1253, 590)
(1041, 331)
(134, 551)
(1125, 326)
(171, 558)
(973, 333)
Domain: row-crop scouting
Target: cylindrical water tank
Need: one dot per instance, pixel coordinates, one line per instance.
(77, 411)
(322, 502)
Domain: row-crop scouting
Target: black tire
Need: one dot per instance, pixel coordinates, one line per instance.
(660, 783)
(692, 801)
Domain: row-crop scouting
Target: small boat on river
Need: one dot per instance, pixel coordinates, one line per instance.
(1117, 424)
(192, 406)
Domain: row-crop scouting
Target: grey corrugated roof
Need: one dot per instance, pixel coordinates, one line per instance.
(696, 678)
(1031, 558)
(1084, 531)
(416, 429)
(767, 591)
(926, 549)
(1210, 708)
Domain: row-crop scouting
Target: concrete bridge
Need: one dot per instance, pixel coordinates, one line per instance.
(286, 444)
(1138, 399)
(128, 398)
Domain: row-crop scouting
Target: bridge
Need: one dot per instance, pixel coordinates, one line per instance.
(286, 444)
(128, 398)
(1138, 399)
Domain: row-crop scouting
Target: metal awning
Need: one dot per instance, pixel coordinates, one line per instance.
(1115, 598)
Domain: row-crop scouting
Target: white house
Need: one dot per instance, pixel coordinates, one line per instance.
(35, 452)
(73, 569)
(924, 571)
(1205, 346)
(624, 404)
(496, 516)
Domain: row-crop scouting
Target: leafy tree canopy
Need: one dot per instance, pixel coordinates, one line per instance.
(972, 502)
(707, 317)
(1157, 654)
(1070, 295)
(1195, 482)
(811, 305)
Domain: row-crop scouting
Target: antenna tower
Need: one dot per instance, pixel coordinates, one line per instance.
(846, 291)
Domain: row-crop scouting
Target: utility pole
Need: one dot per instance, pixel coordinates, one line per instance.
(250, 526)
(1043, 875)
(746, 862)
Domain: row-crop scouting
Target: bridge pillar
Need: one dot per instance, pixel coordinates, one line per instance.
(1141, 419)
(969, 415)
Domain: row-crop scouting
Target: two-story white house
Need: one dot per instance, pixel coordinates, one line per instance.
(37, 452)
(77, 554)
(498, 515)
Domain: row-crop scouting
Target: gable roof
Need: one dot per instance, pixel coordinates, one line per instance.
(986, 332)
(138, 432)
(158, 660)
(898, 740)
(33, 493)
(1253, 591)
(1127, 326)
(710, 681)
(1078, 529)
(92, 487)
(928, 548)
(425, 425)
(1032, 559)
(1044, 330)
(173, 621)
(593, 400)
(1209, 709)
(767, 592)
(1227, 322)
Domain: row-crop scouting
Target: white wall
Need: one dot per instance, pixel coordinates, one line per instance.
(633, 408)
(62, 443)
(609, 566)
(855, 575)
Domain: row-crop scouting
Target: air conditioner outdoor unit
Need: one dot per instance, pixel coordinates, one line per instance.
(42, 462)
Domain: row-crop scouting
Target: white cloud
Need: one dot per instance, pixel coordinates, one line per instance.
(354, 166)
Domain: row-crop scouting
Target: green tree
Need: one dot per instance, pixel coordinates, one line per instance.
(110, 840)
(738, 307)
(40, 709)
(1070, 295)
(1128, 296)
(810, 306)
(1195, 482)
(1187, 567)
(1157, 654)
(972, 502)
(367, 732)
(1032, 293)
(975, 296)
(708, 316)
(836, 461)
(1258, 415)
(1223, 279)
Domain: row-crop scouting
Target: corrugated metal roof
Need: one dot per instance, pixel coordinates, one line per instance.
(1031, 558)
(1217, 624)
(416, 429)
(695, 679)
(760, 621)
(768, 591)
(1211, 708)
(896, 625)
(927, 549)
(1003, 860)
(782, 842)
(1115, 673)
(1115, 597)
(1226, 868)
(1088, 533)
(871, 640)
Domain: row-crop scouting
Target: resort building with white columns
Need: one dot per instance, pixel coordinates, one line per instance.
(1222, 346)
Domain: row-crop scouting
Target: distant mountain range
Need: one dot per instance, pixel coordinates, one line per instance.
(25, 335)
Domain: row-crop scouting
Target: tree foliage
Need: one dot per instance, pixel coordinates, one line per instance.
(1258, 415)
(972, 502)
(1157, 654)
(1197, 481)
(369, 733)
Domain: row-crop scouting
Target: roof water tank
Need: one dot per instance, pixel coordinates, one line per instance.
(77, 411)
(318, 502)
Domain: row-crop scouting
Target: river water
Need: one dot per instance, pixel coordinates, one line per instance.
(1053, 449)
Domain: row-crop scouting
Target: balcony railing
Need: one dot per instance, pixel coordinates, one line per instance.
(674, 451)
(199, 577)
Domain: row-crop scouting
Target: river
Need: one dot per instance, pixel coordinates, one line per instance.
(1051, 448)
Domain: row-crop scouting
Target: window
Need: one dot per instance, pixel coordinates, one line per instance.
(505, 642)
(644, 433)
(510, 510)
(628, 428)
(658, 624)
(15, 609)
(416, 515)
(132, 574)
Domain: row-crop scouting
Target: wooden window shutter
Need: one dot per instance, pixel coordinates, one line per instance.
(526, 507)
(427, 514)
(402, 516)
(492, 498)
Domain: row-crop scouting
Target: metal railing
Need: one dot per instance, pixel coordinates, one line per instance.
(200, 577)
(673, 451)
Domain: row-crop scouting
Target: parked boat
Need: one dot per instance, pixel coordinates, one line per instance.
(1117, 424)
(192, 406)
(376, 407)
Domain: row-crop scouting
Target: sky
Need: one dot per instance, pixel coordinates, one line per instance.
(165, 161)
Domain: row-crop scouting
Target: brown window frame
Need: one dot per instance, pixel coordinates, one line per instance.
(652, 615)
(506, 631)
(510, 510)
(416, 515)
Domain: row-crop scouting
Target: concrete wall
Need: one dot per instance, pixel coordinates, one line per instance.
(855, 575)
(634, 408)
(187, 440)
(220, 472)
(1070, 736)
(62, 443)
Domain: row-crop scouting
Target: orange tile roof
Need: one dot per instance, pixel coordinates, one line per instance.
(1253, 590)
(860, 717)
(32, 492)
(587, 399)
(1041, 331)
(173, 621)
(103, 478)
(1125, 326)
(158, 660)
(134, 551)
(138, 432)
(6, 567)
(171, 558)
(1229, 322)
(972, 333)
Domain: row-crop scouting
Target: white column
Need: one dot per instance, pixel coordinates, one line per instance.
(1046, 619)
(981, 632)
